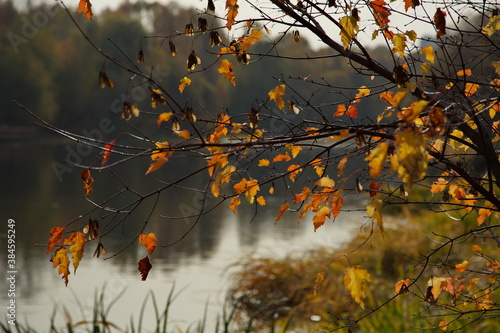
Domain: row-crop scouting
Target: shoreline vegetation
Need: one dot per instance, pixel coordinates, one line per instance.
(304, 292)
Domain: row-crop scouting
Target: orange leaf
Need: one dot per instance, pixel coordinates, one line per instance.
(235, 202)
(144, 267)
(321, 214)
(261, 200)
(466, 72)
(402, 287)
(164, 152)
(341, 166)
(476, 248)
(355, 281)
(249, 40)
(306, 193)
(60, 259)
(352, 111)
(443, 325)
(184, 82)
(183, 134)
(165, 116)
(341, 110)
(226, 69)
(149, 241)
(78, 241)
(57, 234)
(294, 171)
(281, 157)
(106, 153)
(470, 89)
(461, 267)
(337, 203)
(283, 208)
(440, 22)
(380, 12)
(87, 181)
(232, 12)
(277, 95)
(483, 214)
(411, 3)
(156, 164)
(85, 7)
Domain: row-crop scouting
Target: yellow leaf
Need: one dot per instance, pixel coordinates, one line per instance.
(362, 92)
(232, 12)
(60, 259)
(295, 150)
(149, 241)
(425, 67)
(78, 241)
(164, 117)
(411, 113)
(492, 26)
(399, 41)
(355, 281)
(341, 166)
(226, 70)
(294, 170)
(326, 182)
(184, 82)
(410, 157)
(377, 158)
(164, 152)
(250, 187)
(437, 284)
(264, 162)
(462, 266)
(249, 40)
(349, 29)
(277, 95)
(428, 51)
(374, 211)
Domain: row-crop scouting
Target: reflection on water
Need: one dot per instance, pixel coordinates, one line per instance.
(34, 197)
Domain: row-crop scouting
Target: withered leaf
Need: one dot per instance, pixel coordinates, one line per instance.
(440, 22)
(214, 38)
(189, 30)
(140, 56)
(211, 6)
(129, 109)
(157, 97)
(100, 250)
(192, 61)
(296, 36)
(202, 24)
(173, 50)
(105, 81)
(144, 267)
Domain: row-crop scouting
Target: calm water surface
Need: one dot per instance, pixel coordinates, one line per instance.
(198, 265)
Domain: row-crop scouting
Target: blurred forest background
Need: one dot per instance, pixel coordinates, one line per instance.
(49, 67)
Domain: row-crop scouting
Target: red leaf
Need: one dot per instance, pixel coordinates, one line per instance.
(105, 153)
(87, 181)
(144, 267)
(57, 234)
(440, 22)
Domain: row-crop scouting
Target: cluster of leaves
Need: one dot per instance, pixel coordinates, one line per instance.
(440, 119)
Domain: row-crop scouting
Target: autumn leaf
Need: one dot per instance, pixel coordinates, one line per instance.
(325, 182)
(321, 214)
(108, 148)
(294, 150)
(144, 267)
(87, 181)
(183, 134)
(294, 170)
(283, 208)
(402, 287)
(156, 97)
(349, 29)
(462, 266)
(192, 61)
(85, 7)
(410, 157)
(226, 70)
(232, 12)
(355, 281)
(57, 234)
(105, 81)
(374, 211)
(261, 200)
(149, 241)
(439, 185)
(264, 162)
(249, 187)
(77, 241)
(380, 12)
(436, 284)
(184, 82)
(411, 113)
(164, 117)
(277, 95)
(399, 41)
(411, 3)
(377, 158)
(443, 325)
(440, 22)
(247, 41)
(493, 25)
(281, 157)
(60, 259)
(156, 164)
(341, 166)
(235, 202)
(470, 88)
(476, 248)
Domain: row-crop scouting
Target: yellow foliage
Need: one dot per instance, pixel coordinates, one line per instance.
(277, 95)
(377, 158)
(410, 157)
(355, 281)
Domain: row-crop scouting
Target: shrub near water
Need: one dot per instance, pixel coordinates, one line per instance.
(309, 288)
